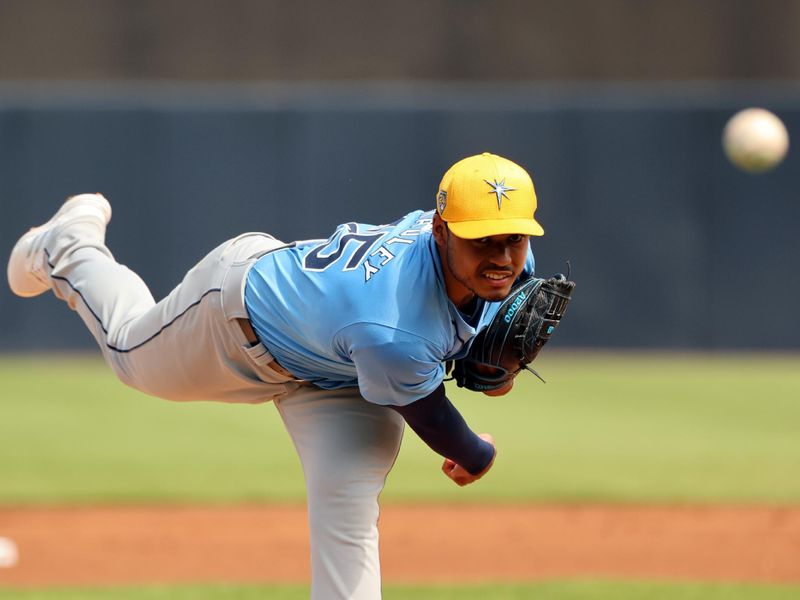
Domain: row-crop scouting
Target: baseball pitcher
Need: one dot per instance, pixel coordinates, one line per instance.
(349, 336)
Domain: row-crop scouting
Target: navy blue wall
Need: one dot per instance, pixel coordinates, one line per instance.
(670, 245)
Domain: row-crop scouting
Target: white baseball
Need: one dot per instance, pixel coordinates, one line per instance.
(755, 140)
(9, 555)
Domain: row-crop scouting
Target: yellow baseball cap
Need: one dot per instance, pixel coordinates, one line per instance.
(487, 195)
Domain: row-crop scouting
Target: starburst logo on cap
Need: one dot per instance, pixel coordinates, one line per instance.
(441, 200)
(499, 190)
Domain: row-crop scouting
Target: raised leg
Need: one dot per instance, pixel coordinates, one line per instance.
(188, 346)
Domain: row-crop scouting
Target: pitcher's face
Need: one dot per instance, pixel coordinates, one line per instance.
(484, 267)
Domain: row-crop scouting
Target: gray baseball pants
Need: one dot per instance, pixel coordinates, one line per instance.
(189, 346)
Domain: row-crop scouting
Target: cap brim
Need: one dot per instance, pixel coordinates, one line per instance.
(472, 230)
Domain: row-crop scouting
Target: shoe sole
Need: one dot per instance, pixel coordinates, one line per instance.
(20, 278)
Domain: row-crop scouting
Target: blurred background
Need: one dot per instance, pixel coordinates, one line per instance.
(203, 119)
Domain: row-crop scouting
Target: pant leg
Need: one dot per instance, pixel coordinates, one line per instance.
(347, 447)
(188, 346)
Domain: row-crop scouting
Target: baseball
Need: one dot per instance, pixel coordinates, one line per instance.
(9, 555)
(755, 140)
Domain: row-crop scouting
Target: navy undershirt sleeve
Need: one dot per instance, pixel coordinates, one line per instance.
(437, 422)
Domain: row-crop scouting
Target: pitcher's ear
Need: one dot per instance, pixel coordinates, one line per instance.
(439, 229)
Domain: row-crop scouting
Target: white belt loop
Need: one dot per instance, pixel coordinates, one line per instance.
(259, 354)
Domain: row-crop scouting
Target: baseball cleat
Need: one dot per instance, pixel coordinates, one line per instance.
(27, 273)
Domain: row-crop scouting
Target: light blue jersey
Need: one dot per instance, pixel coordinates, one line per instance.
(367, 307)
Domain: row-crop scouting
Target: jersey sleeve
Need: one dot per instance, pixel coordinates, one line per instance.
(394, 367)
(437, 422)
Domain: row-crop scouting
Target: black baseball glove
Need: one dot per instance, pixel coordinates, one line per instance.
(524, 323)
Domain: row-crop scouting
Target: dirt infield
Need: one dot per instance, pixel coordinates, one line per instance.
(74, 546)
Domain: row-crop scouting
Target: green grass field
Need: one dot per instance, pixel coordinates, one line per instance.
(606, 427)
(623, 428)
(554, 590)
